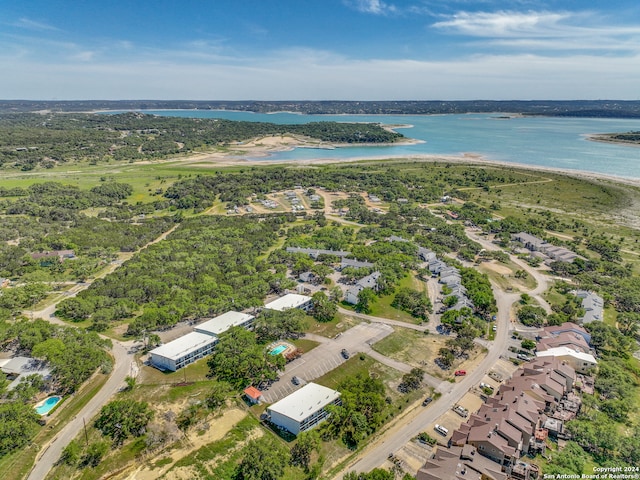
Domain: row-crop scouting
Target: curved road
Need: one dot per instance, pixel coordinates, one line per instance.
(398, 435)
(415, 422)
(124, 365)
(541, 279)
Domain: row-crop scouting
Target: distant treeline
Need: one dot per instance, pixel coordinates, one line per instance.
(628, 137)
(569, 108)
(28, 140)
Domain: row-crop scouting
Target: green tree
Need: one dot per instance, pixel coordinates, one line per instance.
(273, 325)
(264, 459)
(629, 323)
(130, 383)
(121, 419)
(217, 395)
(28, 387)
(571, 460)
(528, 344)
(94, 454)
(416, 303)
(365, 298)
(531, 316)
(324, 310)
(240, 361)
(18, 424)
(71, 453)
(411, 381)
(445, 357)
(306, 443)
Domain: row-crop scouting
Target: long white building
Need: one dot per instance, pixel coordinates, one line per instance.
(224, 322)
(291, 300)
(198, 344)
(182, 351)
(304, 408)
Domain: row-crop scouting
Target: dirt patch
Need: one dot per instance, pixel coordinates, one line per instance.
(218, 429)
(496, 267)
(419, 350)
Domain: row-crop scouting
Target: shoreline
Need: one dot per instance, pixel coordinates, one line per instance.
(604, 138)
(229, 159)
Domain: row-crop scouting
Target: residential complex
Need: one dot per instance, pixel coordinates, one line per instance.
(533, 405)
(197, 344)
(303, 409)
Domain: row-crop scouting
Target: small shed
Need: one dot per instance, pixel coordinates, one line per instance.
(253, 394)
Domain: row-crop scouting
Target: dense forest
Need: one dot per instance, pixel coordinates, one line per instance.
(209, 265)
(30, 140)
(582, 108)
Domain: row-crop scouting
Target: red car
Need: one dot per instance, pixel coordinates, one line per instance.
(460, 373)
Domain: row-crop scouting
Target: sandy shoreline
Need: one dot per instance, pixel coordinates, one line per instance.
(256, 152)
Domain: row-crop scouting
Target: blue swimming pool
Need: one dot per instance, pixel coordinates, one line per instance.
(278, 349)
(47, 405)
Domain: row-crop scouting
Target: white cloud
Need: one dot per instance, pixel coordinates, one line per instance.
(85, 56)
(540, 31)
(287, 75)
(375, 7)
(29, 24)
(504, 23)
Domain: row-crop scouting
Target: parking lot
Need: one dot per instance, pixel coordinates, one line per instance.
(325, 357)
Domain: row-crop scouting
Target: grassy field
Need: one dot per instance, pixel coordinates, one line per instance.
(503, 275)
(416, 349)
(382, 306)
(341, 323)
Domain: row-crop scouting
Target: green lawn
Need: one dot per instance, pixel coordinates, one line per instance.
(382, 306)
(305, 344)
(341, 323)
(194, 372)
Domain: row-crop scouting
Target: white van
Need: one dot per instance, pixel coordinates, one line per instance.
(441, 430)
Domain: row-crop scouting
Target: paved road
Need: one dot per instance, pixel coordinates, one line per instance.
(123, 354)
(541, 279)
(124, 365)
(418, 420)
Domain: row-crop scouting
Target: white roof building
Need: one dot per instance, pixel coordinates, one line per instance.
(182, 351)
(304, 408)
(579, 361)
(18, 367)
(224, 322)
(290, 300)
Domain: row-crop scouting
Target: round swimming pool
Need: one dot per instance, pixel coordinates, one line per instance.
(45, 406)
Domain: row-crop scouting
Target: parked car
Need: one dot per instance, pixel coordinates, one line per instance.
(494, 328)
(427, 401)
(485, 385)
(344, 353)
(295, 381)
(524, 357)
(463, 412)
(441, 430)
(460, 373)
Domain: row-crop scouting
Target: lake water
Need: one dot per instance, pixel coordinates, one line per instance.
(541, 141)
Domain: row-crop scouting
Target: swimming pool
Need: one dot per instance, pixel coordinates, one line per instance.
(46, 406)
(278, 349)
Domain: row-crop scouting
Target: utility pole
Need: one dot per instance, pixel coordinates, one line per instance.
(86, 436)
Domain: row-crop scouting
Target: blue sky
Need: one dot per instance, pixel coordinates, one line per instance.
(320, 49)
